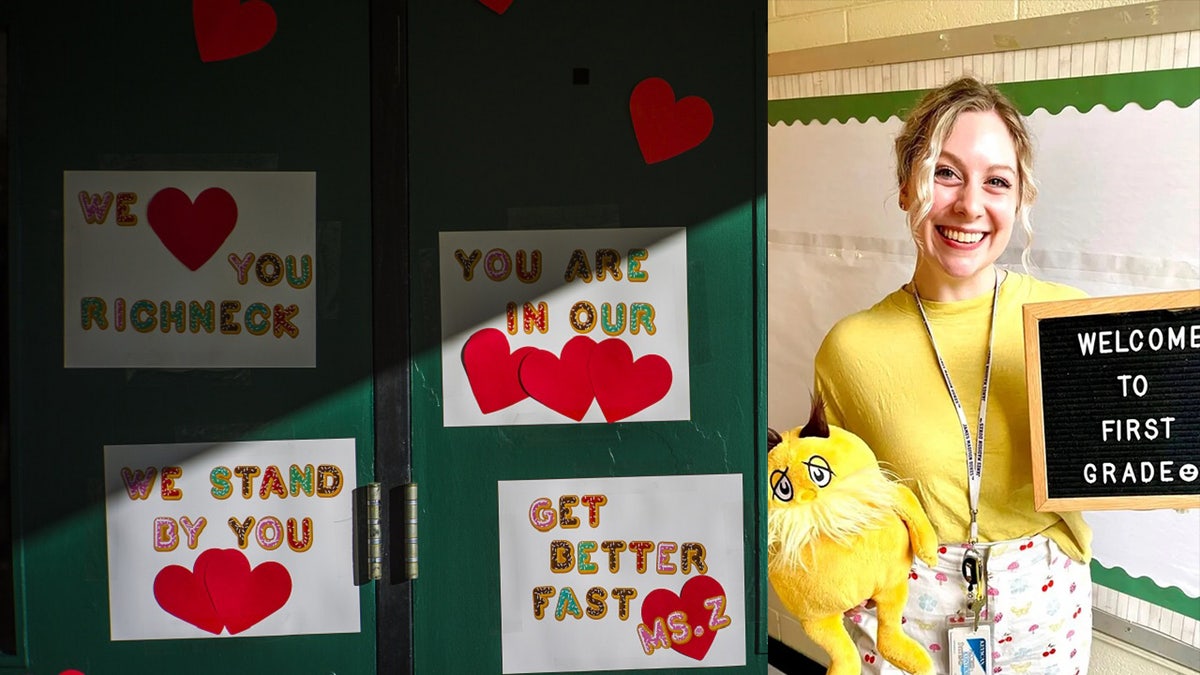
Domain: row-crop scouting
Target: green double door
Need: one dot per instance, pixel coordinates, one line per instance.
(415, 119)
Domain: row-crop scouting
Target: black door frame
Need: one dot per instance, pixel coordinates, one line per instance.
(390, 288)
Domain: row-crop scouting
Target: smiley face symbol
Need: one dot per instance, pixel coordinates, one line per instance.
(1188, 472)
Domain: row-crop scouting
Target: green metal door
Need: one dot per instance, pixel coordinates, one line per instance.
(138, 89)
(522, 140)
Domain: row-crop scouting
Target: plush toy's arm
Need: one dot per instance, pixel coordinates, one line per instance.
(920, 530)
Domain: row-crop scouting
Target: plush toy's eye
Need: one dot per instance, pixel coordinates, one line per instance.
(818, 471)
(781, 485)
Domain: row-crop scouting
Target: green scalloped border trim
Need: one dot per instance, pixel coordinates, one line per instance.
(1170, 598)
(1147, 89)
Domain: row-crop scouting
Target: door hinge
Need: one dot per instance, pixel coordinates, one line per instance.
(410, 548)
(368, 534)
(369, 528)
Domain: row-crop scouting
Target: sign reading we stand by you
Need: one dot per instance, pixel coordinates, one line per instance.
(564, 326)
(181, 269)
(240, 539)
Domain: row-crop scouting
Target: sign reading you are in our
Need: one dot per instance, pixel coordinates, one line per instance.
(1114, 396)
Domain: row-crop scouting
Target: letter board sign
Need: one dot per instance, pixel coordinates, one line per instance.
(1114, 401)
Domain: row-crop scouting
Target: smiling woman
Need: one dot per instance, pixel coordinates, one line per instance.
(903, 375)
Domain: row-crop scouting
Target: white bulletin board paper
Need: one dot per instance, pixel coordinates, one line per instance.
(185, 269)
(192, 555)
(561, 596)
(837, 246)
(564, 326)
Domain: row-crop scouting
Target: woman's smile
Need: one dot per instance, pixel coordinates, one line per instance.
(960, 237)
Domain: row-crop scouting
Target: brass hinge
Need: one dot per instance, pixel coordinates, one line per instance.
(409, 510)
(368, 534)
(369, 527)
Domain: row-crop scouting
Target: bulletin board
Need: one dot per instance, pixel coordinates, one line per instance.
(832, 257)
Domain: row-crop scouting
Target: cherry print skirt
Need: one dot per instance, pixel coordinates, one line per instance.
(1040, 602)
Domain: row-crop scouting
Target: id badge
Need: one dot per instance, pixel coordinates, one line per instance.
(971, 649)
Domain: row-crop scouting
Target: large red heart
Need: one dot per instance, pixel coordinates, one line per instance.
(226, 29)
(561, 382)
(698, 590)
(192, 232)
(492, 370)
(663, 126)
(241, 596)
(221, 591)
(624, 386)
(497, 6)
(183, 594)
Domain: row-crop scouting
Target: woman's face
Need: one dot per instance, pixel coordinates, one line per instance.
(976, 191)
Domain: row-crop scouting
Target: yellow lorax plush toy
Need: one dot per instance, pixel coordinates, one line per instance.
(840, 532)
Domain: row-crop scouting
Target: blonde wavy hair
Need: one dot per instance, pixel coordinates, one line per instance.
(925, 130)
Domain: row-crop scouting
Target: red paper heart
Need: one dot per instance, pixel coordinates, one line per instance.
(561, 382)
(241, 596)
(492, 370)
(226, 29)
(661, 602)
(221, 591)
(497, 6)
(192, 232)
(663, 126)
(182, 594)
(623, 386)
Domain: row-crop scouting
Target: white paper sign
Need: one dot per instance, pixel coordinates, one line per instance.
(182, 269)
(563, 326)
(622, 573)
(235, 539)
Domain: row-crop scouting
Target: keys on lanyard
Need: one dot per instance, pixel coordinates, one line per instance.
(974, 571)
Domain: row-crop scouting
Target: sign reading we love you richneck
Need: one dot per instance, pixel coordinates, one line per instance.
(189, 269)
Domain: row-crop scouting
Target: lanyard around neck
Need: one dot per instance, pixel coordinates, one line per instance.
(975, 454)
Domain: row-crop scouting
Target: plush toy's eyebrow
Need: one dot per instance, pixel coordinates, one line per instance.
(823, 464)
(816, 425)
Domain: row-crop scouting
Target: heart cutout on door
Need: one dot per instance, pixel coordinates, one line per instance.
(227, 29)
(492, 370)
(561, 382)
(497, 6)
(566, 383)
(221, 591)
(192, 231)
(663, 126)
(692, 599)
(624, 386)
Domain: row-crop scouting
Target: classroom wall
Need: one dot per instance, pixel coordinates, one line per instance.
(799, 24)
(1111, 656)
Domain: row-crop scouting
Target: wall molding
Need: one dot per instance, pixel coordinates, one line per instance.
(1113, 23)
(1157, 52)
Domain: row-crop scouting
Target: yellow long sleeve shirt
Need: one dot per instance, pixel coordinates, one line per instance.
(879, 377)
